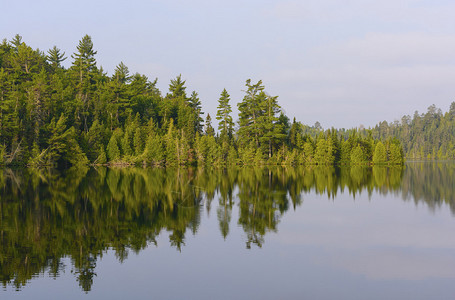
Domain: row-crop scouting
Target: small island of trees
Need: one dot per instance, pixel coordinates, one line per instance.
(56, 116)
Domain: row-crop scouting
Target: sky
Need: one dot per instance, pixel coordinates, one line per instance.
(343, 63)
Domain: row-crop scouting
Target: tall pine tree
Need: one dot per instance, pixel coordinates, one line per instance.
(223, 115)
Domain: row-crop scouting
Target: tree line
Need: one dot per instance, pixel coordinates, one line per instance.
(56, 116)
(425, 136)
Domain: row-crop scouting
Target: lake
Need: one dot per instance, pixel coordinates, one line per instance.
(245, 233)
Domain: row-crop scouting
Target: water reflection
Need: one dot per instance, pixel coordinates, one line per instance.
(47, 216)
(431, 183)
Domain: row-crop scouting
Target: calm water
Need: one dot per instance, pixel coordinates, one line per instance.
(278, 233)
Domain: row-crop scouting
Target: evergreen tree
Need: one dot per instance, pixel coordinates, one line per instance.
(249, 112)
(95, 139)
(380, 154)
(295, 133)
(102, 158)
(138, 141)
(195, 104)
(121, 73)
(84, 59)
(171, 145)
(154, 154)
(396, 154)
(113, 151)
(273, 130)
(55, 57)
(177, 88)
(208, 126)
(84, 68)
(358, 156)
(16, 41)
(25, 61)
(225, 123)
(50, 115)
(324, 151)
(345, 158)
(308, 154)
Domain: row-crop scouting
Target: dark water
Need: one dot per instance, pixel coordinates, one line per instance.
(271, 233)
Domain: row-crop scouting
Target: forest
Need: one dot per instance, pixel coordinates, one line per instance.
(426, 136)
(56, 116)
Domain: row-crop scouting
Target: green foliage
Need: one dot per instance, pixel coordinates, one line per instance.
(138, 142)
(53, 116)
(113, 150)
(308, 153)
(429, 135)
(62, 147)
(95, 140)
(154, 153)
(177, 88)
(247, 154)
(346, 148)
(84, 58)
(195, 104)
(395, 154)
(223, 115)
(171, 144)
(358, 156)
(380, 154)
(102, 158)
(249, 113)
(55, 57)
(324, 152)
(208, 126)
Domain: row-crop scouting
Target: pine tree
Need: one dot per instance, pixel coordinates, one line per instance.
(84, 59)
(396, 154)
(208, 126)
(102, 158)
(95, 139)
(138, 141)
(57, 140)
(16, 41)
(249, 112)
(358, 156)
(51, 115)
(345, 157)
(125, 144)
(323, 154)
(55, 57)
(26, 61)
(273, 132)
(295, 133)
(380, 154)
(63, 146)
(84, 69)
(223, 115)
(121, 100)
(177, 88)
(195, 104)
(308, 153)
(154, 153)
(171, 145)
(113, 151)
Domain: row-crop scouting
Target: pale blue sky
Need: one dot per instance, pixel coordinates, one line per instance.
(342, 63)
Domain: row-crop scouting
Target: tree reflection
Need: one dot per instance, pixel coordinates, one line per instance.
(431, 183)
(46, 215)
